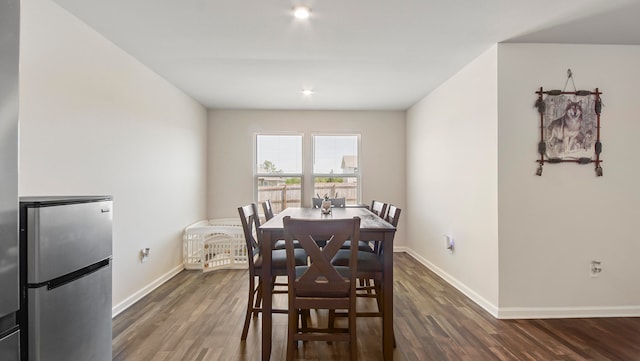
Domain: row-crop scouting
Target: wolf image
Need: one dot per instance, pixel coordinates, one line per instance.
(584, 140)
(565, 130)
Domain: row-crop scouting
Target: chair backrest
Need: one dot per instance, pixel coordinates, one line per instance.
(321, 278)
(250, 223)
(393, 215)
(268, 210)
(336, 202)
(379, 208)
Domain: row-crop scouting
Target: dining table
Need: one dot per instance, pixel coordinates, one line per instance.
(372, 228)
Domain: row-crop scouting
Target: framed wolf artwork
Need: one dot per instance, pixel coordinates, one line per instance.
(569, 127)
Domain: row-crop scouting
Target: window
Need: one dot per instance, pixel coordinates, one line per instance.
(335, 167)
(280, 175)
(278, 170)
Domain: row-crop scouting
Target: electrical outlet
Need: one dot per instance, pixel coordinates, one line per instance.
(595, 268)
(144, 254)
(449, 243)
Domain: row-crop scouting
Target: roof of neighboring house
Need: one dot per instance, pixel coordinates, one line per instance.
(349, 161)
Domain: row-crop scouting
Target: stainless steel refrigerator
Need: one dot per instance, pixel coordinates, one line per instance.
(66, 246)
(9, 274)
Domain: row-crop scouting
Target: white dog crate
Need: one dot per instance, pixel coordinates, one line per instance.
(214, 244)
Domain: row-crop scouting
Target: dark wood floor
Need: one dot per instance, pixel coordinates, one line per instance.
(198, 316)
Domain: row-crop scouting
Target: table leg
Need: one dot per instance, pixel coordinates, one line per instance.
(267, 297)
(387, 293)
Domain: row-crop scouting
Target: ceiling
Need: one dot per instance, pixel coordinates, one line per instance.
(354, 54)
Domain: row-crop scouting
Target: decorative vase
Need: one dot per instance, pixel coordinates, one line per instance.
(326, 207)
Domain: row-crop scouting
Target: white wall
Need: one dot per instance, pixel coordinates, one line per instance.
(93, 120)
(552, 226)
(231, 138)
(452, 180)
(524, 243)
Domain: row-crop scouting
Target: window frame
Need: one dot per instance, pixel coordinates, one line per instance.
(257, 175)
(358, 169)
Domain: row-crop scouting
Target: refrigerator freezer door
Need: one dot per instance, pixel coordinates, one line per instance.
(9, 36)
(64, 238)
(73, 321)
(10, 347)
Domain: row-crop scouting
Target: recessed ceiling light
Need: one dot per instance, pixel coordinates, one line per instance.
(301, 12)
(307, 92)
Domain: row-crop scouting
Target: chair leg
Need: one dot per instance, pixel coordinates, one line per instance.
(379, 301)
(369, 285)
(305, 315)
(258, 298)
(292, 327)
(353, 344)
(366, 284)
(378, 289)
(250, 309)
(394, 339)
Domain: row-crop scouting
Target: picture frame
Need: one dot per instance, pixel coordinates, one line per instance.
(569, 127)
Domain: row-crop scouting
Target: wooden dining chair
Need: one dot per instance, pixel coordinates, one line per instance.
(321, 285)
(379, 209)
(371, 265)
(268, 214)
(250, 220)
(335, 202)
(338, 202)
(392, 215)
(268, 210)
(370, 268)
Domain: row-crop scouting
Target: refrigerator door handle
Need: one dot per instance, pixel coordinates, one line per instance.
(9, 332)
(63, 280)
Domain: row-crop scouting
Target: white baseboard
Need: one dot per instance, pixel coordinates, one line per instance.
(567, 312)
(145, 291)
(481, 301)
(526, 312)
(400, 250)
